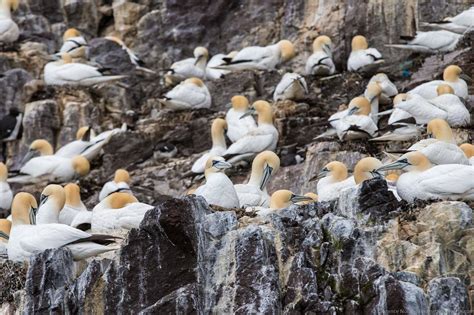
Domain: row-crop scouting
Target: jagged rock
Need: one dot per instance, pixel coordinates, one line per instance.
(42, 120)
(11, 89)
(448, 295)
(12, 279)
(110, 56)
(82, 14)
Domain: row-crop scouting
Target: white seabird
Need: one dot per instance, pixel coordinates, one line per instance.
(363, 58)
(77, 146)
(188, 68)
(389, 89)
(332, 180)
(461, 23)
(218, 145)
(192, 93)
(282, 199)
(5, 226)
(254, 193)
(238, 127)
(9, 31)
(429, 42)
(52, 201)
(6, 194)
(39, 147)
(73, 204)
(73, 43)
(218, 189)
(216, 61)
(357, 124)
(372, 93)
(134, 59)
(320, 62)
(427, 182)
(62, 169)
(468, 150)
(120, 183)
(27, 240)
(292, 86)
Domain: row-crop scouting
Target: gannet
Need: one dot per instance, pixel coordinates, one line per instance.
(5, 226)
(218, 189)
(254, 193)
(118, 211)
(282, 199)
(264, 137)
(357, 124)
(218, 145)
(451, 76)
(292, 86)
(6, 194)
(27, 240)
(73, 204)
(238, 127)
(446, 106)
(99, 141)
(425, 181)
(366, 168)
(62, 169)
(188, 68)
(192, 93)
(320, 62)
(313, 196)
(65, 72)
(216, 61)
(332, 180)
(429, 42)
(39, 147)
(52, 201)
(391, 179)
(461, 23)
(77, 146)
(373, 93)
(11, 126)
(73, 43)
(260, 58)
(362, 57)
(468, 150)
(134, 59)
(9, 31)
(388, 88)
(120, 183)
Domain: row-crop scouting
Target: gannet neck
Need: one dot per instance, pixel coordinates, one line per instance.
(287, 50)
(21, 206)
(218, 133)
(440, 129)
(3, 172)
(5, 227)
(359, 42)
(399, 98)
(73, 195)
(42, 146)
(264, 110)
(321, 42)
(364, 169)
(468, 149)
(5, 9)
(119, 200)
(338, 171)
(121, 175)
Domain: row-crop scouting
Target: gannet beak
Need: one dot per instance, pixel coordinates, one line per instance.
(197, 59)
(32, 215)
(267, 173)
(465, 77)
(43, 199)
(221, 165)
(353, 110)
(320, 175)
(249, 112)
(299, 198)
(376, 174)
(29, 155)
(397, 165)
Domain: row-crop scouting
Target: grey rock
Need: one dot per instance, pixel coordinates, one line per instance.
(448, 295)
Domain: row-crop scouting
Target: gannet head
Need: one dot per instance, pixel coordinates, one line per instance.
(444, 89)
(196, 81)
(412, 161)
(239, 103)
(359, 106)
(400, 98)
(287, 50)
(80, 165)
(374, 89)
(452, 73)
(121, 175)
(84, 133)
(119, 200)
(200, 53)
(264, 165)
(322, 43)
(24, 208)
(5, 227)
(359, 42)
(3, 172)
(311, 195)
(282, 199)
(366, 169)
(218, 129)
(335, 169)
(264, 111)
(232, 54)
(70, 33)
(440, 129)
(42, 146)
(73, 194)
(468, 149)
(216, 164)
(56, 194)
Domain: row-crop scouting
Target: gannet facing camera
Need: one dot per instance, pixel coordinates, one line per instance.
(238, 127)
(460, 23)
(429, 42)
(282, 199)
(320, 62)
(73, 43)
(188, 68)
(291, 87)
(5, 227)
(332, 180)
(357, 124)
(6, 194)
(39, 147)
(366, 168)
(9, 31)
(189, 94)
(427, 182)
(120, 183)
(52, 201)
(62, 169)
(254, 193)
(73, 204)
(468, 150)
(27, 240)
(218, 189)
(218, 145)
(65, 72)
(363, 58)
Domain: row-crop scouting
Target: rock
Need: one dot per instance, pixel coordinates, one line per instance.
(12, 279)
(82, 14)
(110, 55)
(448, 295)
(11, 89)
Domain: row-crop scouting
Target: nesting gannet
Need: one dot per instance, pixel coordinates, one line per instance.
(429, 42)
(77, 146)
(468, 150)
(65, 72)
(218, 189)
(461, 23)
(39, 147)
(73, 43)
(292, 86)
(192, 93)
(188, 68)
(446, 106)
(98, 142)
(373, 93)
(6, 194)
(51, 202)
(357, 124)
(366, 168)
(260, 58)
(238, 127)
(9, 31)
(313, 196)
(216, 61)
(320, 62)
(27, 240)
(362, 57)
(388, 88)
(5, 226)
(425, 181)
(391, 179)
(451, 76)
(264, 137)
(218, 145)
(72, 205)
(120, 183)
(282, 199)
(254, 193)
(134, 59)
(11, 125)
(118, 211)
(332, 180)
(62, 169)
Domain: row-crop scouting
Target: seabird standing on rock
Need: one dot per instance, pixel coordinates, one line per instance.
(6, 194)
(218, 145)
(188, 68)
(388, 88)
(320, 62)
(363, 58)
(120, 183)
(59, 168)
(9, 31)
(73, 204)
(73, 43)
(332, 180)
(292, 86)
(5, 227)
(282, 199)
(52, 201)
(216, 61)
(461, 23)
(357, 124)
(468, 150)
(192, 93)
(429, 42)
(238, 127)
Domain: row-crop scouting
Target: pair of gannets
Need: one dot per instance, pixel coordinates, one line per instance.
(9, 31)
(120, 183)
(238, 126)
(292, 86)
(320, 62)
(429, 42)
(219, 145)
(363, 58)
(6, 194)
(461, 23)
(188, 68)
(192, 93)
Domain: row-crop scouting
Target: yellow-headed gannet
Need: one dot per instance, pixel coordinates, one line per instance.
(77, 146)
(216, 61)
(192, 93)
(218, 145)
(52, 201)
(6, 194)
(260, 58)
(66, 72)
(39, 147)
(332, 180)
(73, 43)
(282, 199)
(27, 240)
(388, 88)
(357, 124)
(62, 169)
(424, 181)
(254, 193)
(320, 62)
(313, 196)
(73, 204)
(461, 23)
(429, 42)
(292, 86)
(9, 31)
(5, 226)
(365, 169)
(362, 57)
(218, 189)
(238, 127)
(451, 76)
(134, 59)
(120, 183)
(468, 150)
(188, 68)
(96, 143)
(373, 93)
